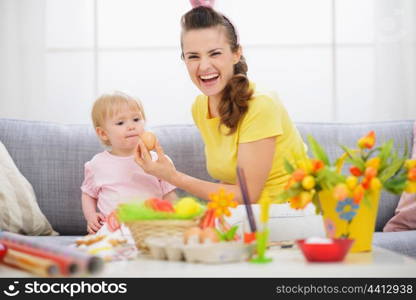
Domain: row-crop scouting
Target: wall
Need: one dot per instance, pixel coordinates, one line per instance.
(329, 60)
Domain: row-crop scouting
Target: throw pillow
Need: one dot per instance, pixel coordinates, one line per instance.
(405, 214)
(19, 210)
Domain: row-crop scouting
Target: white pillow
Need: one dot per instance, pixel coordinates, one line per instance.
(19, 211)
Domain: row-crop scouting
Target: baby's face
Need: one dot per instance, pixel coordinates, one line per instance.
(123, 130)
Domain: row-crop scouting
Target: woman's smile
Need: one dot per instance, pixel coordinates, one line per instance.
(209, 80)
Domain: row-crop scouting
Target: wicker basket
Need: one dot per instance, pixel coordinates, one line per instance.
(141, 230)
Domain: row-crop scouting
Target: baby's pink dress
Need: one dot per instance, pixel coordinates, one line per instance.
(115, 179)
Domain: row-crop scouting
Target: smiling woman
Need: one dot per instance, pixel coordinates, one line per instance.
(239, 124)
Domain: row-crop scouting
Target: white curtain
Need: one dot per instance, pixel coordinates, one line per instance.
(22, 57)
(395, 60)
(376, 74)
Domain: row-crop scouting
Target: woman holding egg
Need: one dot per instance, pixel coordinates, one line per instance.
(239, 124)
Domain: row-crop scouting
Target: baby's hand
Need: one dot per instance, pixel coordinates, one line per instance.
(94, 222)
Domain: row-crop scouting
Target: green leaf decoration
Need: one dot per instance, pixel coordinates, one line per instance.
(230, 234)
(328, 178)
(392, 168)
(317, 204)
(385, 151)
(220, 235)
(396, 185)
(133, 211)
(288, 167)
(354, 159)
(284, 196)
(371, 152)
(318, 151)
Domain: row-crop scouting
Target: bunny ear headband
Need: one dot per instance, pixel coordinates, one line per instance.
(206, 3)
(210, 4)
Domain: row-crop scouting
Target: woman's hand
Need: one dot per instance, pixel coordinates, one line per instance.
(162, 168)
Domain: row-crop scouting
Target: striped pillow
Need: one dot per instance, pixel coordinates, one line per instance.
(19, 210)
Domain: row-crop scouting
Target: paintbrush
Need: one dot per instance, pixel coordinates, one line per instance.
(246, 199)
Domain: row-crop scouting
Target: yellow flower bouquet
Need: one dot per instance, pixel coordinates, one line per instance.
(349, 202)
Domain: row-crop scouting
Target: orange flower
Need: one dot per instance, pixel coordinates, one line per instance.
(351, 182)
(410, 164)
(289, 183)
(341, 191)
(221, 202)
(354, 170)
(358, 194)
(373, 162)
(308, 182)
(411, 187)
(375, 184)
(300, 202)
(370, 172)
(411, 175)
(298, 175)
(317, 165)
(366, 182)
(367, 141)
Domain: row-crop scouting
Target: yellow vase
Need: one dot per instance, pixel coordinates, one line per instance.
(361, 227)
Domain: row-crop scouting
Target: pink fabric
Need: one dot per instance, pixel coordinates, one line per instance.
(113, 179)
(405, 214)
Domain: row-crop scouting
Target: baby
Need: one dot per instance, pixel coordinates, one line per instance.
(112, 175)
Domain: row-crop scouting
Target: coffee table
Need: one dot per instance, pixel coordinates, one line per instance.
(286, 263)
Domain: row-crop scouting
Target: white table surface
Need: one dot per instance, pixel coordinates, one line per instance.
(286, 263)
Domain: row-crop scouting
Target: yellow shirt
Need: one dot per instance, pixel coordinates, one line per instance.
(265, 117)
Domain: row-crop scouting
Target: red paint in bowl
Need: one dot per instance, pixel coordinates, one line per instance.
(330, 252)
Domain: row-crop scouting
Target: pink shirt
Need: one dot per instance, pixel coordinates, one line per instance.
(115, 179)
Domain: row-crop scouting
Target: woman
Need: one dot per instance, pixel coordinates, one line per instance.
(239, 125)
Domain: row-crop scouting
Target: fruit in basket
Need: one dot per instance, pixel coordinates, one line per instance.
(209, 235)
(187, 206)
(192, 235)
(149, 139)
(159, 205)
(112, 221)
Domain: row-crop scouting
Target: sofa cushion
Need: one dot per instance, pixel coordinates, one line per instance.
(51, 156)
(19, 211)
(403, 242)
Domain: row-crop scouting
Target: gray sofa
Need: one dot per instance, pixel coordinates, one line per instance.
(52, 156)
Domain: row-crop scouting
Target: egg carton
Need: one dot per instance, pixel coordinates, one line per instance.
(173, 249)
